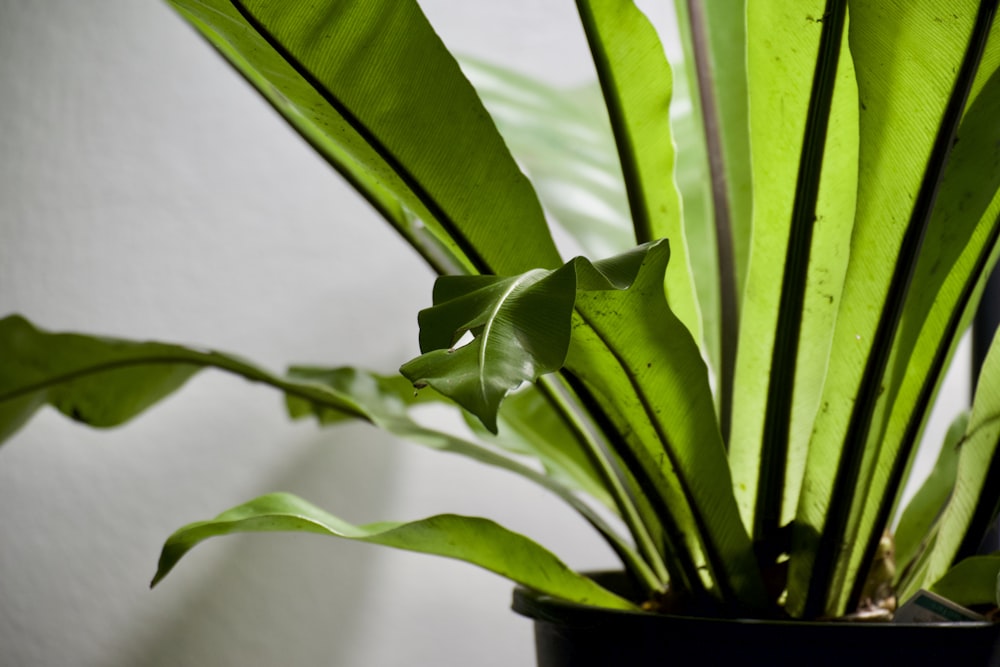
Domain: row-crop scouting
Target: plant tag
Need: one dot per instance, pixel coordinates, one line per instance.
(927, 607)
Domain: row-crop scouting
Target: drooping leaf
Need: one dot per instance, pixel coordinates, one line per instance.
(911, 105)
(386, 403)
(643, 370)
(471, 539)
(636, 80)
(924, 509)
(520, 325)
(104, 382)
(973, 581)
(372, 87)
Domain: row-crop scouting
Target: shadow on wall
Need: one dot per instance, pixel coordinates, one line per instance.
(273, 598)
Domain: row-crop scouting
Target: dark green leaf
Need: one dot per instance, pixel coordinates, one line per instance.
(644, 370)
(520, 325)
(372, 87)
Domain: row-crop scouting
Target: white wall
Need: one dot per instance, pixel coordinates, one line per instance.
(146, 192)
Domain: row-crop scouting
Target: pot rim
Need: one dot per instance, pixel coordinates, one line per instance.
(545, 608)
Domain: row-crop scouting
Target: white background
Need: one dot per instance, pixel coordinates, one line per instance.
(146, 192)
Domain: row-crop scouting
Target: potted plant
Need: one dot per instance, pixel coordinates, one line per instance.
(749, 413)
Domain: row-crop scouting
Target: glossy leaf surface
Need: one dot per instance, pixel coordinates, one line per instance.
(636, 80)
(373, 88)
(520, 328)
(643, 369)
(471, 539)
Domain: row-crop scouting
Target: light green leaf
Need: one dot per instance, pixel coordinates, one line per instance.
(973, 505)
(913, 77)
(521, 328)
(563, 140)
(924, 509)
(471, 539)
(781, 362)
(961, 236)
(973, 581)
(105, 382)
(643, 370)
(636, 80)
(373, 88)
(726, 68)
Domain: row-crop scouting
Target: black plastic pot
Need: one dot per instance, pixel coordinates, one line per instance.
(572, 635)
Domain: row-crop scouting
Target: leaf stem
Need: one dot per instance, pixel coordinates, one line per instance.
(652, 571)
(728, 283)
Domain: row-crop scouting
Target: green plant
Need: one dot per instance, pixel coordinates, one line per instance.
(748, 406)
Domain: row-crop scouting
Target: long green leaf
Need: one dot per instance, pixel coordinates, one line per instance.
(387, 401)
(636, 80)
(714, 40)
(784, 40)
(788, 333)
(471, 539)
(521, 327)
(973, 505)
(910, 111)
(643, 369)
(963, 236)
(374, 89)
(719, 68)
(565, 143)
(924, 509)
(105, 382)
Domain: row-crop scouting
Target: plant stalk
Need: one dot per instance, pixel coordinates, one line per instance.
(728, 283)
(652, 571)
